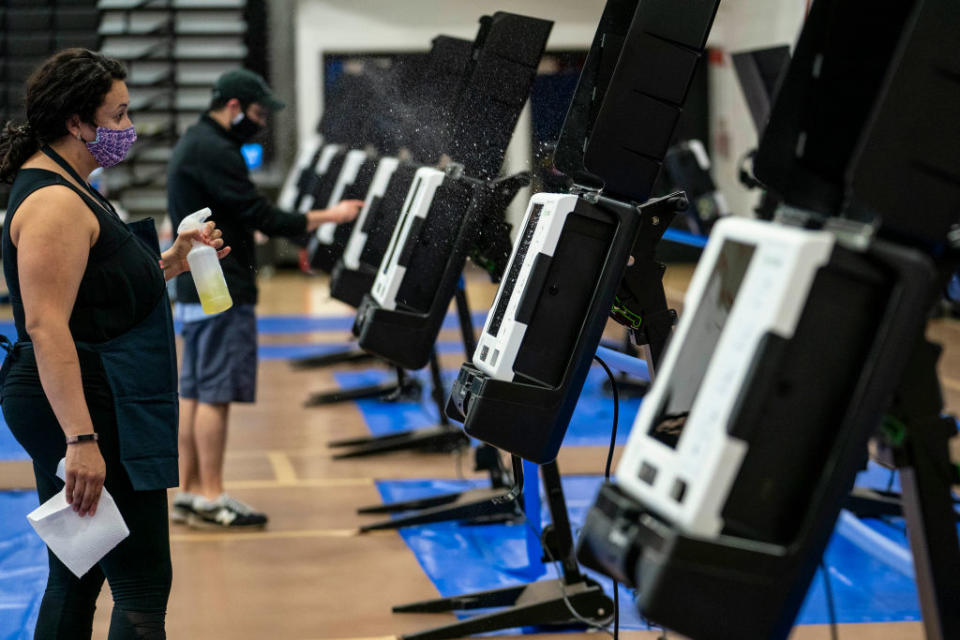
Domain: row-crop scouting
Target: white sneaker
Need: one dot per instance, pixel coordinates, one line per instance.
(182, 507)
(225, 512)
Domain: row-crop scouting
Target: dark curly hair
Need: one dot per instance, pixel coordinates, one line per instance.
(73, 81)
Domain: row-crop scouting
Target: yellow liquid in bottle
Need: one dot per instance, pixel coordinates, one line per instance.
(214, 296)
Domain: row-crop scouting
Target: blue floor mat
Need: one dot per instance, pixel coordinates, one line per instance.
(10, 449)
(685, 237)
(23, 566)
(391, 417)
(309, 350)
(278, 324)
(463, 559)
(590, 425)
(466, 559)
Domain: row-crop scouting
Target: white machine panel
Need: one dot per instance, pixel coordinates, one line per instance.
(415, 206)
(700, 153)
(327, 155)
(348, 174)
(502, 334)
(753, 279)
(288, 194)
(378, 186)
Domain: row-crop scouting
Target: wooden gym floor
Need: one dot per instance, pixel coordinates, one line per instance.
(310, 576)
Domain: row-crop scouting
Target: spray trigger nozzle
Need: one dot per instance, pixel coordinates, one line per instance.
(194, 221)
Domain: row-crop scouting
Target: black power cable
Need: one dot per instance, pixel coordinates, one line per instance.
(546, 547)
(829, 591)
(606, 477)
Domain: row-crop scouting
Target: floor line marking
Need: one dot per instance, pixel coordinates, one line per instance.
(256, 453)
(317, 483)
(215, 536)
(282, 468)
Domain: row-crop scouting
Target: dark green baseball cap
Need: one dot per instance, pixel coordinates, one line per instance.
(247, 87)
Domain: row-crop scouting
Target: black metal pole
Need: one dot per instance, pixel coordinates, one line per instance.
(486, 456)
(925, 476)
(562, 547)
(438, 393)
(931, 523)
(466, 322)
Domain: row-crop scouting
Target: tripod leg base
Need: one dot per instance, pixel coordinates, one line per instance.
(469, 505)
(346, 395)
(868, 503)
(441, 439)
(411, 505)
(409, 391)
(330, 359)
(503, 597)
(873, 503)
(536, 604)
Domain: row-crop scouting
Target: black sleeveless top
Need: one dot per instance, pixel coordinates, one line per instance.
(122, 282)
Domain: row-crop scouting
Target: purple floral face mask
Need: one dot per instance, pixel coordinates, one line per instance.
(111, 145)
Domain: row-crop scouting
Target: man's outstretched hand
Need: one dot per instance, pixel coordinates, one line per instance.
(344, 211)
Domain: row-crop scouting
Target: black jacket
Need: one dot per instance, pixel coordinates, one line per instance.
(208, 170)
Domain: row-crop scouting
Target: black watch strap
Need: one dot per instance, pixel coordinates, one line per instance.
(83, 437)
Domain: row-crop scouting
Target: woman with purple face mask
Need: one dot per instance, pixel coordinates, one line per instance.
(91, 378)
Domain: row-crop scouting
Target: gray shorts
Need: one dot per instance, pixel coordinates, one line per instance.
(220, 357)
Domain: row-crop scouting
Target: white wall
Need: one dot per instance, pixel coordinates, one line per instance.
(742, 25)
(342, 26)
(408, 25)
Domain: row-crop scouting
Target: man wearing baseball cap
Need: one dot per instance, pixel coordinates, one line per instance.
(219, 361)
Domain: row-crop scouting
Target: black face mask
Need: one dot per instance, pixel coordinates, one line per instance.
(245, 129)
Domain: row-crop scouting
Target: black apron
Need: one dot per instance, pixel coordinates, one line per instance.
(141, 369)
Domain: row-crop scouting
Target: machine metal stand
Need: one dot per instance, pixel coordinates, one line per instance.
(404, 388)
(921, 452)
(546, 602)
(499, 503)
(876, 503)
(442, 438)
(331, 359)
(916, 441)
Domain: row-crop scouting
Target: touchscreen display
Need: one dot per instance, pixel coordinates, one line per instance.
(506, 289)
(395, 238)
(700, 342)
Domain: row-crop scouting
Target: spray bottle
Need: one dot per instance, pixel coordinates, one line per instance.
(205, 267)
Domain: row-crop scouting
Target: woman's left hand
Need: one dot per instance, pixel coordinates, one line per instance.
(173, 261)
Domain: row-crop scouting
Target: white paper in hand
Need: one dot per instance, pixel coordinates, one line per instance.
(79, 542)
